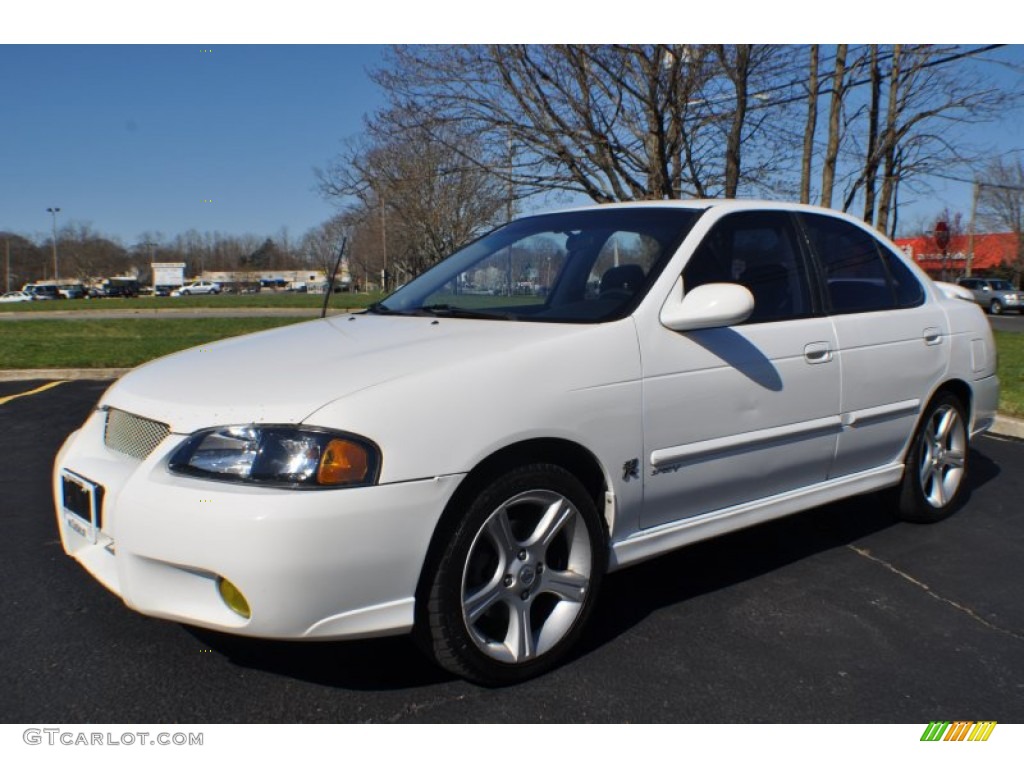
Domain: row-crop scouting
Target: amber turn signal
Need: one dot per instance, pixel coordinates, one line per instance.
(342, 462)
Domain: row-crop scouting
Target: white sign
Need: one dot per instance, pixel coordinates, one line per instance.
(168, 273)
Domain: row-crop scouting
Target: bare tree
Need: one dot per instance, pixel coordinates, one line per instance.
(810, 124)
(613, 122)
(839, 88)
(421, 192)
(1001, 205)
(931, 94)
(321, 244)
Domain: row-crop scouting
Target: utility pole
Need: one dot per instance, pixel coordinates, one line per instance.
(56, 272)
(970, 235)
(383, 248)
(7, 264)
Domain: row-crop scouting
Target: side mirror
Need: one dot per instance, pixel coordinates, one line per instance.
(714, 305)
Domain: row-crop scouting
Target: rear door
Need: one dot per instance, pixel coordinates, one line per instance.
(893, 341)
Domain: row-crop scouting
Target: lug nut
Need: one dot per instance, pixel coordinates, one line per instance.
(508, 580)
(525, 595)
(522, 554)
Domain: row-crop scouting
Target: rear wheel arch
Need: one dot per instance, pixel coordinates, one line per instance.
(935, 456)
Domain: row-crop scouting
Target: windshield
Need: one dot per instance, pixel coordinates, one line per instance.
(578, 267)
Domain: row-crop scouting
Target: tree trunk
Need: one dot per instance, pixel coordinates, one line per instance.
(809, 127)
(828, 173)
(889, 179)
(871, 158)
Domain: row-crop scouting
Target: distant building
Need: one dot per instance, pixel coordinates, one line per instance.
(307, 280)
(990, 252)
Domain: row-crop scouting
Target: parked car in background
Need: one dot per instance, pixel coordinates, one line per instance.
(71, 290)
(42, 291)
(467, 467)
(198, 287)
(16, 296)
(124, 287)
(996, 296)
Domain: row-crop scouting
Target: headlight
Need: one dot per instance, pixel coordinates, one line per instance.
(296, 457)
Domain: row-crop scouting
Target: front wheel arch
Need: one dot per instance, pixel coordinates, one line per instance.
(516, 579)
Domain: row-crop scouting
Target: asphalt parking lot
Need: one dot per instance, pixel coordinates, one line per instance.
(835, 615)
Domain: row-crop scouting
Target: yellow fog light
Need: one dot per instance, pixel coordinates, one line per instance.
(342, 462)
(233, 598)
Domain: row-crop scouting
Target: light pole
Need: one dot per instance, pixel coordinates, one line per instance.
(941, 234)
(56, 273)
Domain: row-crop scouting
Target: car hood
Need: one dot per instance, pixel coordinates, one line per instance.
(283, 375)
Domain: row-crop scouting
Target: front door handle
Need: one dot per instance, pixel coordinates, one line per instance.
(818, 352)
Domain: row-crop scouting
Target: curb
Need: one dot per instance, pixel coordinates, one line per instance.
(69, 374)
(1007, 426)
(1004, 426)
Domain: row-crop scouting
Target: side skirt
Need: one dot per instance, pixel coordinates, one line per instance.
(651, 542)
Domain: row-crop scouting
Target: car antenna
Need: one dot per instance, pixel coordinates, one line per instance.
(334, 274)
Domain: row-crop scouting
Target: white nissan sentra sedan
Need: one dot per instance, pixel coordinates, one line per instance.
(568, 395)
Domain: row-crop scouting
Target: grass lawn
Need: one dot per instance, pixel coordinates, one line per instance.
(242, 301)
(114, 343)
(1011, 373)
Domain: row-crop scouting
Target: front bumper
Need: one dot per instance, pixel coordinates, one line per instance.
(311, 564)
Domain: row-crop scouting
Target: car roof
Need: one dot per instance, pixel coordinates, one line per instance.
(704, 204)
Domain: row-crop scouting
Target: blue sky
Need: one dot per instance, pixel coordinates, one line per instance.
(135, 139)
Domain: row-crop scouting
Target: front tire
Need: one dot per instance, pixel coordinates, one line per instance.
(517, 579)
(936, 465)
(996, 307)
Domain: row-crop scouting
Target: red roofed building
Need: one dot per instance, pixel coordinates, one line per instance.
(990, 252)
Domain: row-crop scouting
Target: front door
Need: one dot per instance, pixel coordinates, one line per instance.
(732, 415)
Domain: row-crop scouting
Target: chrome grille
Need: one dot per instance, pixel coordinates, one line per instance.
(132, 435)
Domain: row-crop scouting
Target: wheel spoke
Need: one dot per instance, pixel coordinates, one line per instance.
(945, 426)
(500, 531)
(567, 585)
(519, 639)
(938, 487)
(954, 459)
(477, 604)
(926, 465)
(555, 518)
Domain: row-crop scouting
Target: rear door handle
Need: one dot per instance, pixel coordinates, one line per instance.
(818, 352)
(932, 336)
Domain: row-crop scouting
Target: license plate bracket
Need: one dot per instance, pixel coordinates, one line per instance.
(82, 504)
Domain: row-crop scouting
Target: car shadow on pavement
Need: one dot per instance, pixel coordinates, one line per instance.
(627, 597)
(381, 664)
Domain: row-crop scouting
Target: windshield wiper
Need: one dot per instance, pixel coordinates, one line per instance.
(438, 310)
(450, 310)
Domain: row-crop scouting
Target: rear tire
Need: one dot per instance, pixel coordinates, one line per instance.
(517, 579)
(995, 308)
(936, 466)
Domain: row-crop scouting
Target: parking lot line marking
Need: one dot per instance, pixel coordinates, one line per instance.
(36, 391)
